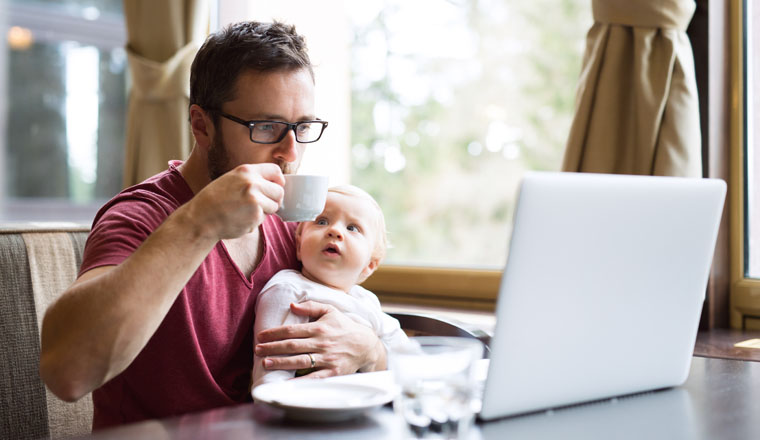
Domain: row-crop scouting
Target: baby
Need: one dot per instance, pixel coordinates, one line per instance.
(338, 250)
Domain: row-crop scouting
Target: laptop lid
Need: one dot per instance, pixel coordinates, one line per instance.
(603, 288)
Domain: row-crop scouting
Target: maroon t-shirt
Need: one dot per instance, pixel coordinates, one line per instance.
(202, 353)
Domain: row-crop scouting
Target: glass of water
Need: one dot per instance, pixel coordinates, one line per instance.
(439, 394)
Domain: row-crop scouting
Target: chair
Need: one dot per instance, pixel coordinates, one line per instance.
(421, 324)
(37, 263)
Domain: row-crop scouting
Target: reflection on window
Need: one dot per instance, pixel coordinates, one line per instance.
(66, 102)
(452, 101)
(752, 100)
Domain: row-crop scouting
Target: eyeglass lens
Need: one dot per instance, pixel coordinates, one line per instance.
(275, 131)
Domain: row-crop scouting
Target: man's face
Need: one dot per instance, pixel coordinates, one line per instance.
(336, 248)
(277, 96)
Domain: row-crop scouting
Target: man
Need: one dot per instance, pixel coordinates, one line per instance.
(159, 321)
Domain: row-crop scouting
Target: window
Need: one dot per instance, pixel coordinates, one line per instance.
(64, 89)
(448, 109)
(445, 112)
(745, 171)
(751, 144)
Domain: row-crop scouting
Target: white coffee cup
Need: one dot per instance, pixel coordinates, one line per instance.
(304, 198)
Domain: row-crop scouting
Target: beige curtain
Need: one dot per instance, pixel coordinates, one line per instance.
(163, 37)
(636, 105)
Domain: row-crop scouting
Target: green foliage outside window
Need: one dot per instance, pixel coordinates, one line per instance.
(444, 158)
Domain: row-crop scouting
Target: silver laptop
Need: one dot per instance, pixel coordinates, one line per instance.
(603, 288)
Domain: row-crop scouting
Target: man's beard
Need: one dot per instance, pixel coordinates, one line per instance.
(219, 160)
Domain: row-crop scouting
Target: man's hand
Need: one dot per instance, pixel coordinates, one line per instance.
(237, 202)
(338, 344)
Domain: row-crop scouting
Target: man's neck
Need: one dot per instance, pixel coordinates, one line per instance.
(195, 171)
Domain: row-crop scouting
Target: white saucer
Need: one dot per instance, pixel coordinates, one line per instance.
(320, 400)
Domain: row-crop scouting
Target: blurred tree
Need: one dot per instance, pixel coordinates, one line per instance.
(465, 102)
(37, 156)
(36, 130)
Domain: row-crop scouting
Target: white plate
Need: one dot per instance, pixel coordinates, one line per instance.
(322, 400)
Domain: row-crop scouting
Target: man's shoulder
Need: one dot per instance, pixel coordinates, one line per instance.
(126, 220)
(167, 188)
(155, 197)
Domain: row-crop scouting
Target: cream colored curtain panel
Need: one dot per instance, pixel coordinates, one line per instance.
(163, 37)
(636, 105)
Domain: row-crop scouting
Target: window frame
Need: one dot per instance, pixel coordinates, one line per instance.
(465, 289)
(745, 292)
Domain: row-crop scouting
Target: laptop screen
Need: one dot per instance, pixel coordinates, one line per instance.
(603, 288)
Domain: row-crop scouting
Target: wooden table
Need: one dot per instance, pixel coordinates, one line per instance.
(720, 400)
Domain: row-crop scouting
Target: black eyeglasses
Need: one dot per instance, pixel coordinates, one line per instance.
(271, 132)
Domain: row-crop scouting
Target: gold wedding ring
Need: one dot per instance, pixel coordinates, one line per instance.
(311, 358)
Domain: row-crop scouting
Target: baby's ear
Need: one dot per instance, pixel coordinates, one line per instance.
(368, 270)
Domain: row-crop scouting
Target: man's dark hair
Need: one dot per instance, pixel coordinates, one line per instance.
(263, 47)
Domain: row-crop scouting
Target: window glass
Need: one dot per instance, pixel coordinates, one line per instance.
(452, 101)
(65, 89)
(752, 162)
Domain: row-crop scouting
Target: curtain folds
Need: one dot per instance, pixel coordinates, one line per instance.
(163, 38)
(637, 110)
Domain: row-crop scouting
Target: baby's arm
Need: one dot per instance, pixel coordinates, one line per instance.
(273, 310)
(391, 334)
(386, 327)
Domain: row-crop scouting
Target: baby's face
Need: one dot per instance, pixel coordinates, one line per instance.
(336, 248)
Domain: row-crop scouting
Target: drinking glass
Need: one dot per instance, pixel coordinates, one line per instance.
(439, 394)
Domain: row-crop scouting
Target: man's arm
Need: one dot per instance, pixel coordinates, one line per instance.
(338, 344)
(101, 323)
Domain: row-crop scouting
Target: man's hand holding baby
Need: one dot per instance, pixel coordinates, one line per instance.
(336, 343)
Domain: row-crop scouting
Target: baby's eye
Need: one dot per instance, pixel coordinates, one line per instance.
(321, 221)
(353, 228)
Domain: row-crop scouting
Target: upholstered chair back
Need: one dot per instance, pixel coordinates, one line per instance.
(37, 263)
